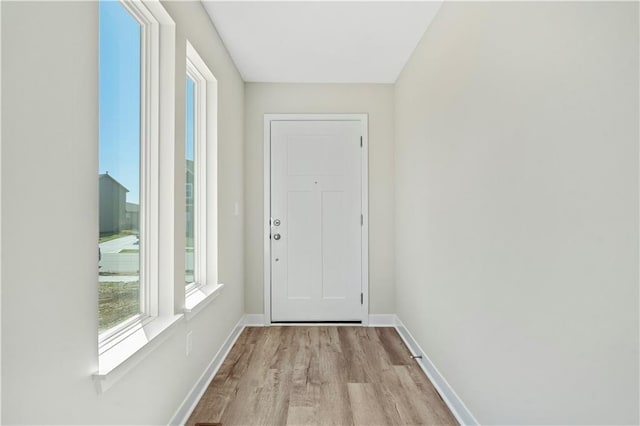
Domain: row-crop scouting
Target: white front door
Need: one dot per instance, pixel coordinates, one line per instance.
(316, 232)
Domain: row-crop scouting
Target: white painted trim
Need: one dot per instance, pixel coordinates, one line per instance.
(195, 394)
(205, 170)
(199, 297)
(253, 320)
(266, 221)
(116, 362)
(199, 185)
(364, 120)
(150, 71)
(449, 396)
(167, 152)
(382, 320)
(364, 207)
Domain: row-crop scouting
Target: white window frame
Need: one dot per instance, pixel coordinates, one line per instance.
(198, 196)
(117, 345)
(205, 175)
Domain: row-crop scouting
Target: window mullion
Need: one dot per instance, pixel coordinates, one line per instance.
(201, 196)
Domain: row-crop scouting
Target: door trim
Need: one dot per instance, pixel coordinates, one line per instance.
(364, 202)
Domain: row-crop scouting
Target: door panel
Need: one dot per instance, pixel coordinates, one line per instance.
(335, 263)
(301, 250)
(316, 194)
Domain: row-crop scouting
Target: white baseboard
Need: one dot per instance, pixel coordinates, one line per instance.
(382, 320)
(253, 320)
(449, 396)
(193, 397)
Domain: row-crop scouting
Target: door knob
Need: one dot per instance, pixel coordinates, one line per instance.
(276, 237)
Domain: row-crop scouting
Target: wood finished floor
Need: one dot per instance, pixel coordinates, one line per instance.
(320, 375)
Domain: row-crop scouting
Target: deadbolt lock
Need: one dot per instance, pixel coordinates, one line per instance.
(276, 222)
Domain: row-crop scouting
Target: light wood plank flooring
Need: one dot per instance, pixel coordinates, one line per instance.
(320, 375)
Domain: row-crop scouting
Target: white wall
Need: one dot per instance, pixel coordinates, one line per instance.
(374, 99)
(49, 222)
(517, 208)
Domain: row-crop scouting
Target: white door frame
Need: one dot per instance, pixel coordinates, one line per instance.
(363, 119)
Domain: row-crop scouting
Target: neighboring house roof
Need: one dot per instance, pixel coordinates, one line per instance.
(108, 176)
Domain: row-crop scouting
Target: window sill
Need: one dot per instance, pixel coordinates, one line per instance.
(119, 359)
(199, 298)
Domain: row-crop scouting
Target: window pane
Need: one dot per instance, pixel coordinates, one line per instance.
(190, 188)
(119, 165)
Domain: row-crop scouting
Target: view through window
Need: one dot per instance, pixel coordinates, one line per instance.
(119, 165)
(190, 181)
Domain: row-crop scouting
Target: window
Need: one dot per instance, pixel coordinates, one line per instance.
(190, 154)
(119, 166)
(136, 141)
(200, 176)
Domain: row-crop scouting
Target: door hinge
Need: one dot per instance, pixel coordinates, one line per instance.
(362, 298)
(361, 220)
(360, 141)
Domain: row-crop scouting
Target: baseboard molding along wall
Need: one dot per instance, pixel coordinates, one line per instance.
(193, 397)
(253, 320)
(382, 320)
(449, 396)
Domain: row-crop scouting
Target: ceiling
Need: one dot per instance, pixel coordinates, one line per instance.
(321, 42)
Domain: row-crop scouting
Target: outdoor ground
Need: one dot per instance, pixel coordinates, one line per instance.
(119, 285)
(117, 301)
